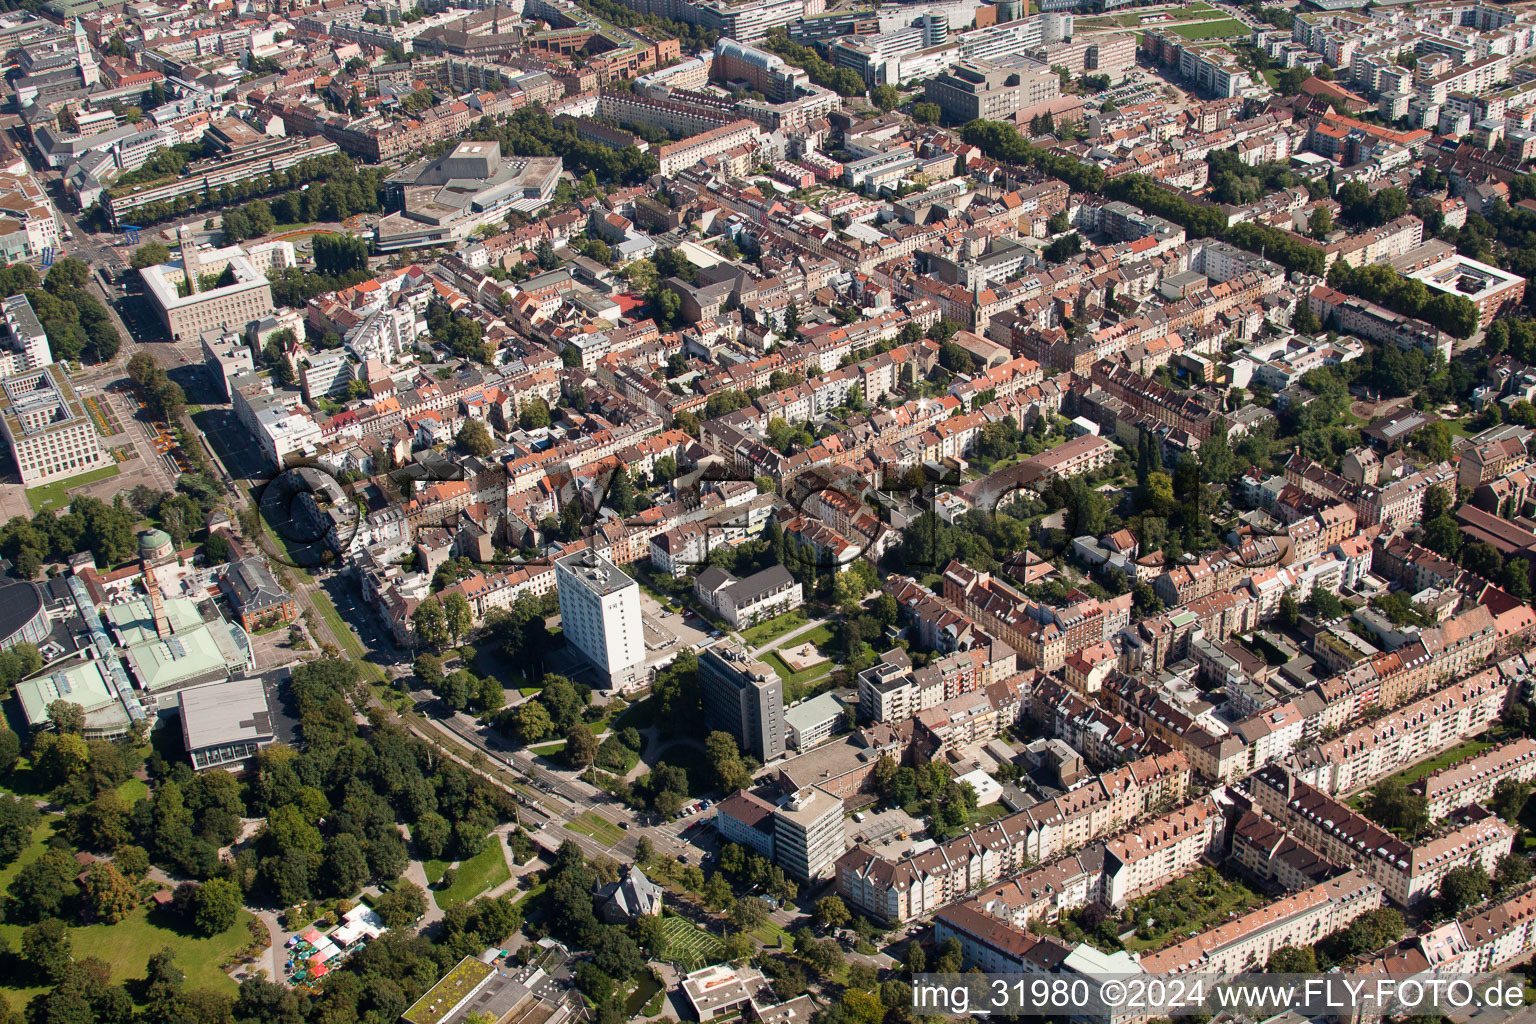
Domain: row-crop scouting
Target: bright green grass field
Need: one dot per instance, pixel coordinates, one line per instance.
(485, 870)
(129, 944)
(55, 495)
(1220, 28)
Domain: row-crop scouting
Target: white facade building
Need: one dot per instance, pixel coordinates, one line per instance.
(600, 615)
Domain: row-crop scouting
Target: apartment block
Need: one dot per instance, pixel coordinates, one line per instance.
(1407, 874)
(744, 698)
(1473, 781)
(995, 91)
(920, 883)
(600, 615)
(1153, 854)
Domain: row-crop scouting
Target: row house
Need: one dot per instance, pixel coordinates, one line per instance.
(1158, 851)
(1474, 780)
(919, 884)
(1406, 736)
(1408, 874)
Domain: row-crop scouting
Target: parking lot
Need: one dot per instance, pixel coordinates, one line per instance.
(666, 632)
(882, 830)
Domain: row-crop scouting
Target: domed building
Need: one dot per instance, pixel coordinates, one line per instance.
(23, 616)
(155, 545)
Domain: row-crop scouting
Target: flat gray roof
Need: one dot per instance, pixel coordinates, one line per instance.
(228, 712)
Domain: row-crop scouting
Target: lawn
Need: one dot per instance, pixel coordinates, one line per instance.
(133, 791)
(485, 870)
(1195, 12)
(291, 562)
(129, 944)
(348, 640)
(763, 632)
(991, 812)
(688, 945)
(1218, 28)
(590, 823)
(54, 496)
(1413, 773)
(791, 677)
(1458, 428)
(527, 898)
(772, 936)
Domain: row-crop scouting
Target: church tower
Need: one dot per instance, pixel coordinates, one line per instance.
(90, 74)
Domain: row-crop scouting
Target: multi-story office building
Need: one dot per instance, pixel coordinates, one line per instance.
(26, 343)
(982, 88)
(809, 834)
(46, 425)
(744, 698)
(600, 615)
(766, 72)
(240, 295)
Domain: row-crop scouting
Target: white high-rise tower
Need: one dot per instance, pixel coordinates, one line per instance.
(600, 616)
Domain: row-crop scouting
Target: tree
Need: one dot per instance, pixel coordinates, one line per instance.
(748, 913)
(885, 96)
(824, 957)
(1064, 248)
(1482, 558)
(47, 948)
(1510, 795)
(403, 906)
(533, 415)
(1512, 871)
(67, 717)
(336, 255)
(215, 906)
(150, 254)
(621, 493)
(1320, 223)
(18, 819)
(457, 615)
(531, 722)
(927, 113)
(1325, 603)
(42, 888)
(916, 960)
(475, 439)
(1394, 806)
(724, 759)
(67, 274)
(431, 623)
(831, 912)
(580, 745)
(1464, 887)
(109, 895)
(1304, 321)
(1292, 960)
(1289, 612)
